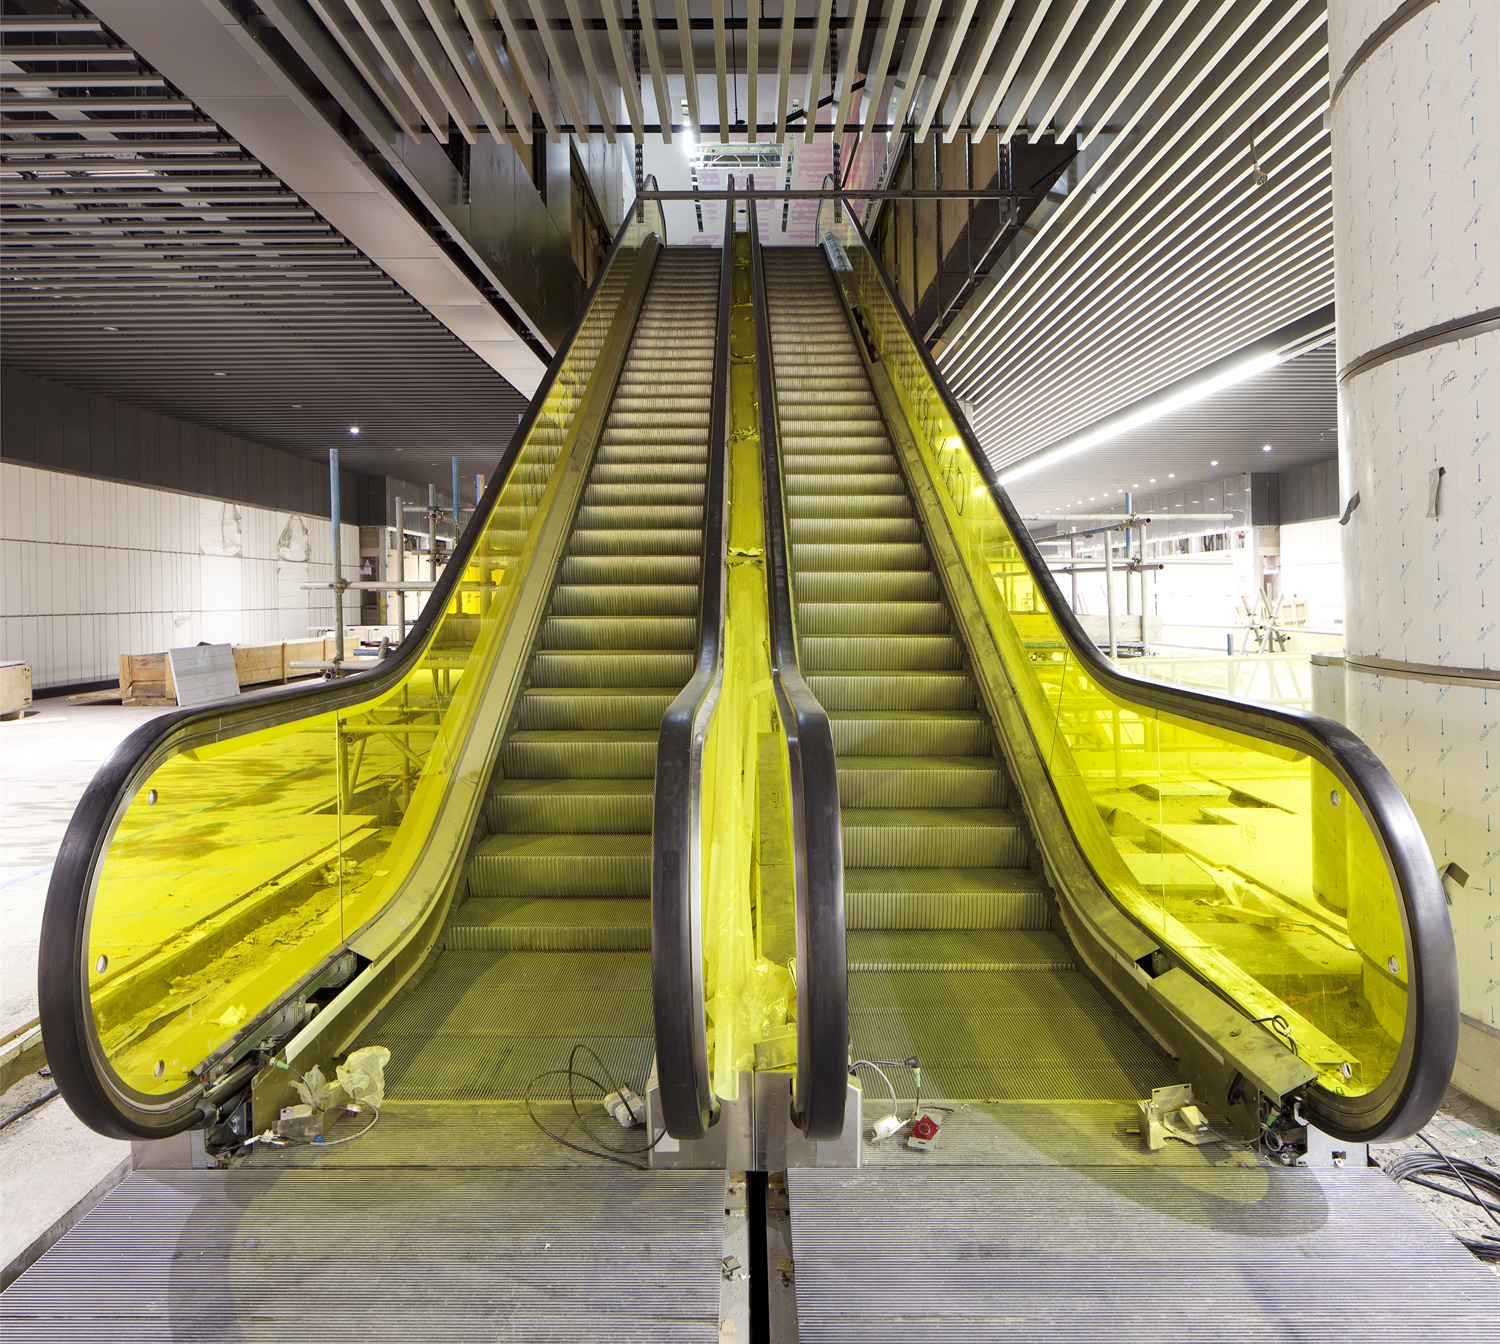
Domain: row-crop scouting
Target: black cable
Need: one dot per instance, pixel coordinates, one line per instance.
(572, 1074)
(1417, 1168)
(28, 1108)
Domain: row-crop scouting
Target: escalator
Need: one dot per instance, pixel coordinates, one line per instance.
(951, 953)
(552, 945)
(451, 857)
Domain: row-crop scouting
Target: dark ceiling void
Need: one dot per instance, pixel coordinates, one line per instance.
(149, 258)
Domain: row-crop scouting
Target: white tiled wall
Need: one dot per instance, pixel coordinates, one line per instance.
(92, 569)
(1312, 569)
(1442, 744)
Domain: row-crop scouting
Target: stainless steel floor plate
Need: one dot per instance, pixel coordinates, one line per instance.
(1046, 1255)
(395, 1255)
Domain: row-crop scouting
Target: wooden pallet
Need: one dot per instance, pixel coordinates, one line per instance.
(146, 678)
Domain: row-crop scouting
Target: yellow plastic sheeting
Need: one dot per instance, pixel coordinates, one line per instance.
(1248, 860)
(745, 819)
(241, 866)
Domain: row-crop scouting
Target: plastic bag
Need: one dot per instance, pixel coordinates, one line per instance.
(363, 1074)
(314, 1089)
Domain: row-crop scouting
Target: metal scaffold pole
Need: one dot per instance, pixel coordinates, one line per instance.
(338, 560)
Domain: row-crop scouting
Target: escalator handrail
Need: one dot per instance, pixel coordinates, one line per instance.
(1410, 1093)
(62, 988)
(818, 856)
(677, 977)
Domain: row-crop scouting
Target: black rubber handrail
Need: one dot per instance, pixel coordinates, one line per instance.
(1411, 1091)
(818, 851)
(683, 1081)
(62, 974)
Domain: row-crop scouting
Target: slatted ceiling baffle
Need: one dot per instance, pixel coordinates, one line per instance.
(1164, 254)
(146, 252)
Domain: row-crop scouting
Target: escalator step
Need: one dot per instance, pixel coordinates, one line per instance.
(593, 754)
(958, 733)
(932, 837)
(884, 691)
(624, 599)
(618, 667)
(871, 618)
(613, 632)
(579, 924)
(630, 569)
(921, 781)
(577, 806)
(562, 865)
(945, 898)
(876, 558)
(966, 950)
(881, 653)
(898, 585)
(622, 541)
(571, 708)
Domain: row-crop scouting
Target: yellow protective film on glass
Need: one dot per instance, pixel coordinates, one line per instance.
(1246, 859)
(242, 865)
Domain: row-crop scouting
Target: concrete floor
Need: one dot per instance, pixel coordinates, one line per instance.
(52, 1167)
(49, 1163)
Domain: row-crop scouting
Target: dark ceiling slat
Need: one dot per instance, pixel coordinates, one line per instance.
(207, 264)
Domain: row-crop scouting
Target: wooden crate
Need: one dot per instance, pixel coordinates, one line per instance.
(146, 678)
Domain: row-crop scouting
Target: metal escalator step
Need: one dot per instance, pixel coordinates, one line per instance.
(910, 732)
(650, 475)
(852, 531)
(628, 494)
(969, 950)
(562, 924)
(625, 599)
(613, 632)
(872, 618)
(812, 556)
(802, 504)
(920, 781)
(898, 585)
(945, 898)
(611, 668)
(589, 754)
(839, 434)
(875, 463)
(577, 806)
(620, 448)
(640, 517)
(943, 996)
(866, 487)
(630, 541)
(880, 691)
(571, 708)
(881, 653)
(629, 569)
(932, 837)
(562, 865)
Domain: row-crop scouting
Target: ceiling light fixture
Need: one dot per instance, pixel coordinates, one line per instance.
(1189, 396)
(354, 429)
(1266, 449)
(1214, 463)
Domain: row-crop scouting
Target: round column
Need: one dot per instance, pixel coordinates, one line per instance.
(1415, 127)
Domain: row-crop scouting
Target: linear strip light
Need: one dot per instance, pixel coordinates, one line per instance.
(1126, 424)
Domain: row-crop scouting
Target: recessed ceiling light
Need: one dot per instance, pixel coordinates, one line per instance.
(1152, 481)
(1136, 486)
(1214, 463)
(219, 375)
(1266, 449)
(296, 405)
(111, 328)
(1171, 475)
(354, 429)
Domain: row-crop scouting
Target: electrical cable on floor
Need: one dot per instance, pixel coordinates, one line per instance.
(349, 1138)
(610, 1153)
(27, 1109)
(871, 1064)
(1420, 1169)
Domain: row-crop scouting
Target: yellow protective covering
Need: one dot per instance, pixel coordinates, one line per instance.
(1249, 860)
(242, 865)
(748, 903)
